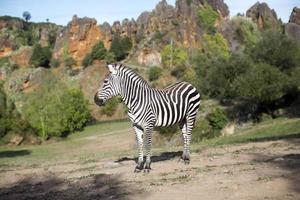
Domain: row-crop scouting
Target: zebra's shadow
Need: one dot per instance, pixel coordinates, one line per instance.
(156, 158)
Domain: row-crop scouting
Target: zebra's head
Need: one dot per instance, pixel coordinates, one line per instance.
(110, 86)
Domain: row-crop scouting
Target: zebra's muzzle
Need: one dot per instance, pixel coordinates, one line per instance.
(98, 101)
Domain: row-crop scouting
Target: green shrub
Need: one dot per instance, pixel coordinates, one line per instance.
(10, 119)
(207, 16)
(98, 51)
(173, 56)
(154, 73)
(246, 31)
(120, 47)
(168, 131)
(277, 50)
(110, 106)
(55, 110)
(262, 83)
(217, 119)
(158, 36)
(110, 57)
(69, 62)
(41, 56)
(54, 63)
(88, 60)
(202, 130)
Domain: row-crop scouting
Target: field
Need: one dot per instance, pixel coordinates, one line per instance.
(262, 162)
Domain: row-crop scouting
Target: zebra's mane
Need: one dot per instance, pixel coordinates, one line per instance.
(128, 71)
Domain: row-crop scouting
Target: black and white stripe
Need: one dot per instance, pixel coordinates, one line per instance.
(149, 107)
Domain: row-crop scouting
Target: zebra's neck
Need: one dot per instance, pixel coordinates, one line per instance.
(134, 89)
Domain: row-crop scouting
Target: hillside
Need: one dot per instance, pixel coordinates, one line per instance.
(194, 40)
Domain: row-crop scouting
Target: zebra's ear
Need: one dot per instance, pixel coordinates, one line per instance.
(112, 69)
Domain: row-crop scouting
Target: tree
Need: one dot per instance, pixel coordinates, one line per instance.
(55, 110)
(277, 50)
(26, 16)
(120, 47)
(262, 83)
(98, 53)
(176, 56)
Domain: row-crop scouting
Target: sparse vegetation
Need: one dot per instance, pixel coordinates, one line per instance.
(207, 17)
(154, 73)
(41, 56)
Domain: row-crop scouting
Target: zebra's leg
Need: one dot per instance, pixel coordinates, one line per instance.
(185, 154)
(148, 145)
(139, 141)
(187, 136)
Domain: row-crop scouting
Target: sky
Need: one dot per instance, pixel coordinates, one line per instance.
(61, 12)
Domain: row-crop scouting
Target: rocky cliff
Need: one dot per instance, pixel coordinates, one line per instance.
(166, 21)
(292, 29)
(17, 37)
(263, 16)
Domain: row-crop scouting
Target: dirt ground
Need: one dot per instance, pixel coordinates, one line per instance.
(262, 170)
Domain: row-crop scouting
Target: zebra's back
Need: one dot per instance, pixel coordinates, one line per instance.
(175, 102)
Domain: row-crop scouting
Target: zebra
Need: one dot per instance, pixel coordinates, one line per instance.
(149, 107)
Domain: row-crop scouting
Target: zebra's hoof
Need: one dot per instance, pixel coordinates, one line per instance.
(138, 168)
(187, 161)
(147, 171)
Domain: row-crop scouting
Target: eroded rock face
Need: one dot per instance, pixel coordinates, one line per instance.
(292, 29)
(263, 16)
(77, 39)
(295, 16)
(149, 58)
(22, 56)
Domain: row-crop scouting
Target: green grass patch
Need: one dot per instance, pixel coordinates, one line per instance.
(271, 130)
(70, 149)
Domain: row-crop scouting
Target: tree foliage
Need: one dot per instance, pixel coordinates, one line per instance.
(154, 73)
(207, 16)
(26, 15)
(98, 52)
(173, 56)
(55, 110)
(120, 47)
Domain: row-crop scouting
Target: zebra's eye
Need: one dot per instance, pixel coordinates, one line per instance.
(105, 81)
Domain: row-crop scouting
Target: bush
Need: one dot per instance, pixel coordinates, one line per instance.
(167, 131)
(98, 51)
(262, 83)
(41, 56)
(203, 130)
(173, 56)
(154, 73)
(88, 60)
(69, 62)
(246, 31)
(207, 16)
(55, 110)
(217, 119)
(10, 119)
(120, 47)
(110, 106)
(277, 50)
(54, 63)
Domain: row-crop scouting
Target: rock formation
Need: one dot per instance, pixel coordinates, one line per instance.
(295, 16)
(292, 29)
(263, 16)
